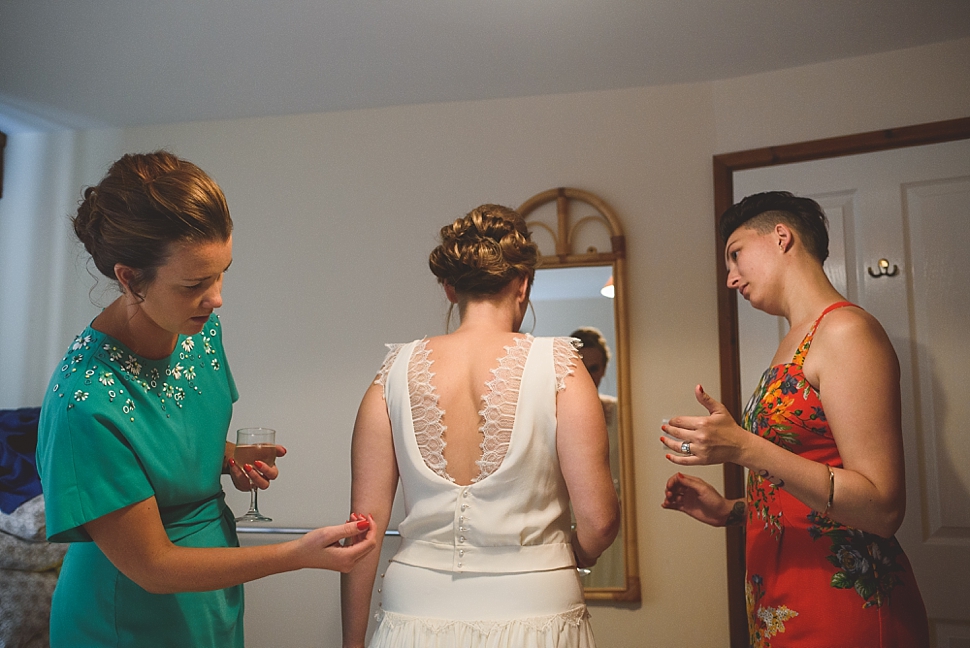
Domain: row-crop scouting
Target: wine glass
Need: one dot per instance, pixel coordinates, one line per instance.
(252, 445)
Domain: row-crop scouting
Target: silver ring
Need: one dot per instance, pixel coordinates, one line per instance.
(685, 448)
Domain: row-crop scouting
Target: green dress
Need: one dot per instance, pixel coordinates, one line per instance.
(116, 429)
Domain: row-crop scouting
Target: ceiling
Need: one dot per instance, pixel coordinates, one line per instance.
(108, 63)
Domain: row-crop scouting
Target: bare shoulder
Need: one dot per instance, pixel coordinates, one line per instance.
(849, 325)
(847, 337)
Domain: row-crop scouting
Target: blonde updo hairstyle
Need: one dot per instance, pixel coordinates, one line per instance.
(481, 253)
(146, 203)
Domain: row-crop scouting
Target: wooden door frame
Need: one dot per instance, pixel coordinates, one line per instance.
(727, 305)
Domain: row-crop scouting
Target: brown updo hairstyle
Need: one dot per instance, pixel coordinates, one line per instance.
(482, 252)
(146, 203)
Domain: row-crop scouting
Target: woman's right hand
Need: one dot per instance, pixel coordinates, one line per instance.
(698, 499)
(257, 475)
(325, 549)
(356, 518)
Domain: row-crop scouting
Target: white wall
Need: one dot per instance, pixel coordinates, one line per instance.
(44, 282)
(335, 214)
(912, 86)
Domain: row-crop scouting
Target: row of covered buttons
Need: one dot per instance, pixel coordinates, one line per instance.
(461, 524)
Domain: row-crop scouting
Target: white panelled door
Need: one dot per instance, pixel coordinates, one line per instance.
(911, 208)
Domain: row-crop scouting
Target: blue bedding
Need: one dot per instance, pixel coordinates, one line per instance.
(19, 481)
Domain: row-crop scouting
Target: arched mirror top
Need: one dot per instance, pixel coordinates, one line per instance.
(583, 252)
(580, 219)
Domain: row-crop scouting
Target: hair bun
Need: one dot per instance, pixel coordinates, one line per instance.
(145, 203)
(481, 252)
(88, 220)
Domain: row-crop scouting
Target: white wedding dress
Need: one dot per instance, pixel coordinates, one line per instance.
(489, 564)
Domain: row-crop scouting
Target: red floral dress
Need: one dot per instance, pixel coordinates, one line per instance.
(811, 581)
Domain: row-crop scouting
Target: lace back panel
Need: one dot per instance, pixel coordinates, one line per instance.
(498, 406)
(429, 431)
(499, 400)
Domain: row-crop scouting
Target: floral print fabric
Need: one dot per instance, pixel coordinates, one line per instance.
(810, 580)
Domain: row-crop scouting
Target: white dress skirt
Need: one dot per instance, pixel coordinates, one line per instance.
(426, 608)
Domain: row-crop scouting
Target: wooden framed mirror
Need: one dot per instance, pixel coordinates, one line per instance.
(583, 256)
(731, 334)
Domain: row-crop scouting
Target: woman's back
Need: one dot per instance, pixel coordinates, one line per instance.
(466, 372)
(516, 496)
(473, 426)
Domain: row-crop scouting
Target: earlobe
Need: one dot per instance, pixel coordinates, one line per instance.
(125, 276)
(785, 236)
(450, 292)
(524, 289)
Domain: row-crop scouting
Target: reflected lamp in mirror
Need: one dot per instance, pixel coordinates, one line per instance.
(607, 289)
(582, 254)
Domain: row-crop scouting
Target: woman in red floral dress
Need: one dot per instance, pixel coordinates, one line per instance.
(822, 442)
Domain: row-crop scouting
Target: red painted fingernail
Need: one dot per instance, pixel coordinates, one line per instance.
(247, 468)
(232, 462)
(363, 524)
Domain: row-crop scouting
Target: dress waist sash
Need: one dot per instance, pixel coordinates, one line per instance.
(506, 559)
(184, 520)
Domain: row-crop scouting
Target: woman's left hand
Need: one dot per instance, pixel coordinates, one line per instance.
(257, 474)
(703, 440)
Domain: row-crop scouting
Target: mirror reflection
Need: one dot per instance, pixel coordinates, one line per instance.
(571, 302)
(579, 291)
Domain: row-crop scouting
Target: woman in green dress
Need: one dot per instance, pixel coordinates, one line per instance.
(133, 428)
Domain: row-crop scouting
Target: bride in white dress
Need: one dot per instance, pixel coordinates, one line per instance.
(493, 434)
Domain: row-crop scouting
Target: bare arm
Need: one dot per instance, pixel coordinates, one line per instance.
(375, 475)
(135, 541)
(858, 378)
(857, 373)
(584, 456)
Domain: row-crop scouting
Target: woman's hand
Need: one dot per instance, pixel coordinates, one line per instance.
(711, 439)
(325, 550)
(700, 500)
(258, 474)
(356, 518)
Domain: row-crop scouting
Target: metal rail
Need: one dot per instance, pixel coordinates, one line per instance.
(293, 530)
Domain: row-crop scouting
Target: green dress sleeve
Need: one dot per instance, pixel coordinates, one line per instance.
(91, 470)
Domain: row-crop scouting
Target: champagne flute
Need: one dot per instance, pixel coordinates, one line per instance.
(252, 445)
